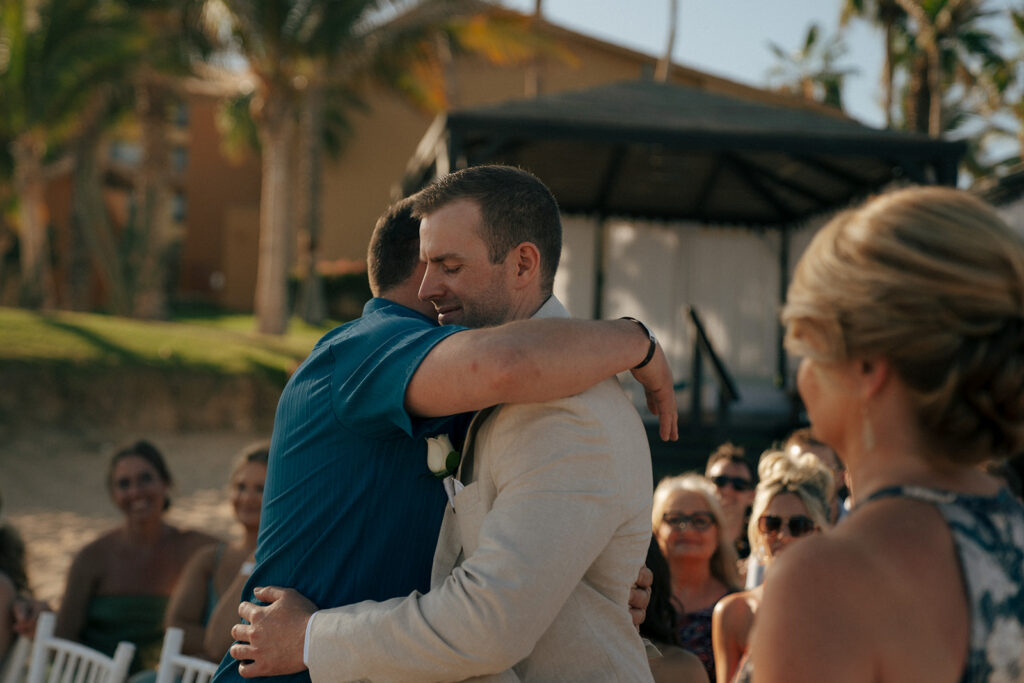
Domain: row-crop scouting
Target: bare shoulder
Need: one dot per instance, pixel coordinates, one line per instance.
(101, 546)
(734, 610)
(192, 539)
(855, 579)
(678, 666)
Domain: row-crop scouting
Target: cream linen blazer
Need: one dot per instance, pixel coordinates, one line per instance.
(534, 562)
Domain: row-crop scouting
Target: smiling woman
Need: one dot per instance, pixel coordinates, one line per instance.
(687, 520)
(119, 584)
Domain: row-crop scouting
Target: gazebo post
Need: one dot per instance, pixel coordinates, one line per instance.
(597, 309)
(781, 365)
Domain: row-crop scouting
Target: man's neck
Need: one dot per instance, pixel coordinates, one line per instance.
(407, 295)
(528, 307)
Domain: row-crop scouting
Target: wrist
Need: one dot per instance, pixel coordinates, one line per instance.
(652, 342)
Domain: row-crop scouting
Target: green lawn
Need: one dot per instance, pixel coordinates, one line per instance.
(223, 344)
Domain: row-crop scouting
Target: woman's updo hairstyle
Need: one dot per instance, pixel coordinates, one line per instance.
(803, 475)
(931, 279)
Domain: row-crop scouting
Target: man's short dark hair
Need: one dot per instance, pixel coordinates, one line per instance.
(515, 206)
(729, 452)
(394, 247)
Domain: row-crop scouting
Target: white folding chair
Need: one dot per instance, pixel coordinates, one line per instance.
(56, 660)
(17, 661)
(178, 668)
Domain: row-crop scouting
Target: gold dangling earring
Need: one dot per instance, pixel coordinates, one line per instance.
(868, 435)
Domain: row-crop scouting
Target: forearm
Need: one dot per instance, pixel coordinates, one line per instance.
(522, 362)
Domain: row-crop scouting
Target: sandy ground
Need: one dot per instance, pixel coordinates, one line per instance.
(53, 491)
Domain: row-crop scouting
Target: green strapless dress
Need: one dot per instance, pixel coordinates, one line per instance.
(138, 619)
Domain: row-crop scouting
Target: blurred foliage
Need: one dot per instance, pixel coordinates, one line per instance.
(213, 342)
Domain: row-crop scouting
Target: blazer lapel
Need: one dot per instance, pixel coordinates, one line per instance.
(465, 471)
(448, 552)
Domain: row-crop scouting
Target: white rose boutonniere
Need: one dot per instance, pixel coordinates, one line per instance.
(443, 462)
(442, 458)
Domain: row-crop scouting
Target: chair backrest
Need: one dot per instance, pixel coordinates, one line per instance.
(175, 666)
(17, 661)
(56, 660)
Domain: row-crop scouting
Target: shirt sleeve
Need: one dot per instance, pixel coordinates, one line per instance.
(371, 373)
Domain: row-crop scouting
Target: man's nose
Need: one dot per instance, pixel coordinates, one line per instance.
(430, 287)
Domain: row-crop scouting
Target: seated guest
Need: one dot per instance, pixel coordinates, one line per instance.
(803, 441)
(791, 501)
(119, 584)
(733, 477)
(13, 586)
(669, 662)
(205, 603)
(687, 521)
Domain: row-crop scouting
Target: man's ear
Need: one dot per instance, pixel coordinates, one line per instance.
(526, 259)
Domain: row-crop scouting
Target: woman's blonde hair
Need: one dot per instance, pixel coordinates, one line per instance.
(257, 453)
(723, 562)
(805, 476)
(931, 279)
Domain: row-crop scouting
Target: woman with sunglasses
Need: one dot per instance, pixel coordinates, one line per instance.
(687, 519)
(119, 584)
(791, 501)
(909, 314)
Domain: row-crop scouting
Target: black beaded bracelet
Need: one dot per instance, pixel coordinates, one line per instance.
(650, 336)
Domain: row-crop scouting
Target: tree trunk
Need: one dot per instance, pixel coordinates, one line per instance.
(927, 74)
(888, 69)
(311, 304)
(36, 289)
(89, 220)
(277, 133)
(153, 221)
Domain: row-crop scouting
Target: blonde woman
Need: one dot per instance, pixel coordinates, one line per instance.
(688, 523)
(205, 603)
(909, 315)
(791, 501)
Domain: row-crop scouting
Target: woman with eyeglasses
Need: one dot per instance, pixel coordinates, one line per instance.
(686, 518)
(119, 584)
(792, 501)
(909, 315)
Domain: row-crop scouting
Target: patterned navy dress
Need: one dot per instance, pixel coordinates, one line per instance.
(989, 536)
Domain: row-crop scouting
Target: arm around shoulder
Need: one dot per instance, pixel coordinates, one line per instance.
(523, 362)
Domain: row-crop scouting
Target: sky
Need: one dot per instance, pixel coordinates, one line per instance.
(730, 38)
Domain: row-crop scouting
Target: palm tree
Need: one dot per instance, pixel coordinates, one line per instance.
(305, 54)
(892, 19)
(57, 54)
(946, 46)
(812, 71)
(176, 39)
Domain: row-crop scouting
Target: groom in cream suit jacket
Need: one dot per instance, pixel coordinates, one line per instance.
(538, 551)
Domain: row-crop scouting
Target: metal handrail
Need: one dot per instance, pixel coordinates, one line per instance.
(727, 391)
